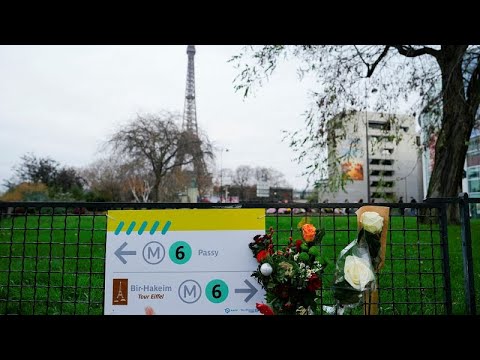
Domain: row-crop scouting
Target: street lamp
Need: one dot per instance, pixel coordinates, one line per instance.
(373, 91)
(222, 149)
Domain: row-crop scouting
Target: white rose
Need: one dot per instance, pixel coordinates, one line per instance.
(357, 272)
(372, 222)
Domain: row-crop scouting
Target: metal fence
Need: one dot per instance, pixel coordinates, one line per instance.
(468, 207)
(52, 255)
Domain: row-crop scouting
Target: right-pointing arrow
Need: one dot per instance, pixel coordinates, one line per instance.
(252, 290)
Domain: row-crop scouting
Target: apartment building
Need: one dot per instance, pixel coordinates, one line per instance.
(379, 158)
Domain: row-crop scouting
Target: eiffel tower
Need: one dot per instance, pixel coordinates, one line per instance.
(120, 294)
(190, 109)
(190, 143)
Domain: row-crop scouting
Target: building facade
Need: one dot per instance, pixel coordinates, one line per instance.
(471, 183)
(384, 168)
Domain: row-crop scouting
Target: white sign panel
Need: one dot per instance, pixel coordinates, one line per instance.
(186, 261)
(263, 189)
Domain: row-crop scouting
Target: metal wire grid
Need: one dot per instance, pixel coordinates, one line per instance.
(52, 256)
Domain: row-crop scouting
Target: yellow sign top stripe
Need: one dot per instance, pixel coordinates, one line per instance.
(187, 219)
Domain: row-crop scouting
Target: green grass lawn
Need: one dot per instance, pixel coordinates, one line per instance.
(55, 264)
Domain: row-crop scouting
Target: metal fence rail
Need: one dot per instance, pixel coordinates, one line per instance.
(466, 205)
(52, 255)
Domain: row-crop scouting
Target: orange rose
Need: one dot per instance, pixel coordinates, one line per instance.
(308, 232)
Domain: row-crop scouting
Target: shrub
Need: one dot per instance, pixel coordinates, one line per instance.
(27, 192)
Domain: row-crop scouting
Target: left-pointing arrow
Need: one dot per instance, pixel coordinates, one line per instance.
(119, 252)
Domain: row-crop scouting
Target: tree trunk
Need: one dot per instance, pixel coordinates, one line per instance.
(156, 191)
(452, 142)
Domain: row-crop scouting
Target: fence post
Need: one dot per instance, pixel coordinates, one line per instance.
(446, 257)
(467, 255)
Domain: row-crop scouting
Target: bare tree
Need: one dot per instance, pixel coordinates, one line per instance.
(156, 141)
(140, 189)
(242, 178)
(444, 77)
(273, 177)
(174, 184)
(105, 179)
(138, 181)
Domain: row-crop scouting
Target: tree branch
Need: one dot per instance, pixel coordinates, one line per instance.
(473, 89)
(359, 53)
(409, 51)
(371, 69)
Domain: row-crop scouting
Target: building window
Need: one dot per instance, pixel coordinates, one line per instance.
(379, 125)
(385, 195)
(381, 162)
(382, 173)
(473, 172)
(474, 185)
(382, 183)
(473, 176)
(379, 138)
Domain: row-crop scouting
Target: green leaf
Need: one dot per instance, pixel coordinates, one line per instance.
(314, 250)
(303, 257)
(345, 294)
(320, 233)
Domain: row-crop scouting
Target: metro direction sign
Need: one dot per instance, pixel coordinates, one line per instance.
(182, 262)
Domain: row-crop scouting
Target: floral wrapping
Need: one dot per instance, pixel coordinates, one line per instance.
(358, 261)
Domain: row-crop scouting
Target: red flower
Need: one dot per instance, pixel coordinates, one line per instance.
(282, 291)
(262, 254)
(314, 283)
(298, 243)
(264, 309)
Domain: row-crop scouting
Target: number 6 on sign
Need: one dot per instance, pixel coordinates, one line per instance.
(180, 252)
(216, 291)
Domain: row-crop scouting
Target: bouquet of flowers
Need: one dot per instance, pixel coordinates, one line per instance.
(291, 276)
(358, 261)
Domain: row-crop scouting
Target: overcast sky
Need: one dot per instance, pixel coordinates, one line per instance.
(63, 102)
